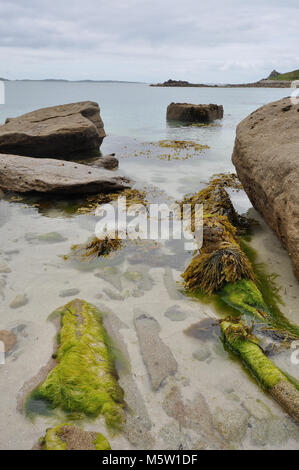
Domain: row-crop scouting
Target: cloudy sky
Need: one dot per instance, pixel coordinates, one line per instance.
(148, 40)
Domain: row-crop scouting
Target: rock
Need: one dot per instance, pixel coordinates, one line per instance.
(137, 427)
(58, 131)
(69, 292)
(9, 339)
(202, 354)
(25, 174)
(273, 74)
(109, 162)
(232, 424)
(70, 437)
(113, 295)
(19, 301)
(4, 268)
(50, 237)
(174, 313)
(194, 112)
(192, 414)
(157, 357)
(266, 159)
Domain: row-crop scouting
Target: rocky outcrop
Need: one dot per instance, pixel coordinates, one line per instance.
(186, 112)
(273, 74)
(58, 131)
(25, 174)
(266, 159)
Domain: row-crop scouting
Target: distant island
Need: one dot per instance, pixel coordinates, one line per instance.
(274, 80)
(64, 80)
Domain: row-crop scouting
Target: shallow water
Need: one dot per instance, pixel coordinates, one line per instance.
(224, 406)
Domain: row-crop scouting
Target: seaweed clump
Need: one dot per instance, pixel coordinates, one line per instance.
(69, 437)
(84, 380)
(221, 259)
(94, 248)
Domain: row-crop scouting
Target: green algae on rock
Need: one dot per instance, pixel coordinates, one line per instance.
(84, 380)
(240, 340)
(69, 437)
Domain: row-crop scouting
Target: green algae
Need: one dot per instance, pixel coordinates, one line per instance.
(101, 443)
(84, 382)
(242, 343)
(52, 441)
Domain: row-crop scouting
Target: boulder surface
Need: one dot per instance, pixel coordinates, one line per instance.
(266, 157)
(61, 131)
(194, 112)
(47, 175)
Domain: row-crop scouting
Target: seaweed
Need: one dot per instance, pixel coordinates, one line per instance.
(84, 380)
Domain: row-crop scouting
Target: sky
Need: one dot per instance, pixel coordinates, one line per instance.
(212, 41)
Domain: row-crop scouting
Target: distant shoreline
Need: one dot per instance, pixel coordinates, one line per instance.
(260, 84)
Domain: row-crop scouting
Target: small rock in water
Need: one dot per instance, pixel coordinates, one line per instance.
(69, 292)
(157, 356)
(113, 295)
(231, 424)
(9, 339)
(204, 330)
(174, 313)
(4, 268)
(51, 237)
(19, 301)
(202, 354)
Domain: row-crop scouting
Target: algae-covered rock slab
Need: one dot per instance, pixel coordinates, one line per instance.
(238, 337)
(48, 175)
(84, 380)
(157, 356)
(187, 112)
(55, 131)
(69, 437)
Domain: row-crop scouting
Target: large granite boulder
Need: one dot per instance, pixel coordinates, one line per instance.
(186, 112)
(66, 130)
(266, 157)
(47, 175)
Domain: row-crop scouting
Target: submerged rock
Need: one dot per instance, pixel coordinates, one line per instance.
(266, 159)
(69, 437)
(57, 131)
(4, 268)
(25, 174)
(231, 424)
(187, 112)
(174, 313)
(69, 292)
(158, 358)
(9, 339)
(84, 380)
(19, 301)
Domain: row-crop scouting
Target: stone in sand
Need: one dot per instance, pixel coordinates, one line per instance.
(4, 268)
(174, 313)
(266, 159)
(25, 174)
(57, 131)
(157, 356)
(187, 112)
(19, 301)
(69, 292)
(9, 339)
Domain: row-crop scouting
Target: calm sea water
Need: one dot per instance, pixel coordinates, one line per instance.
(137, 111)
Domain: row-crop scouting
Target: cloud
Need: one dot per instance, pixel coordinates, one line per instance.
(228, 40)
